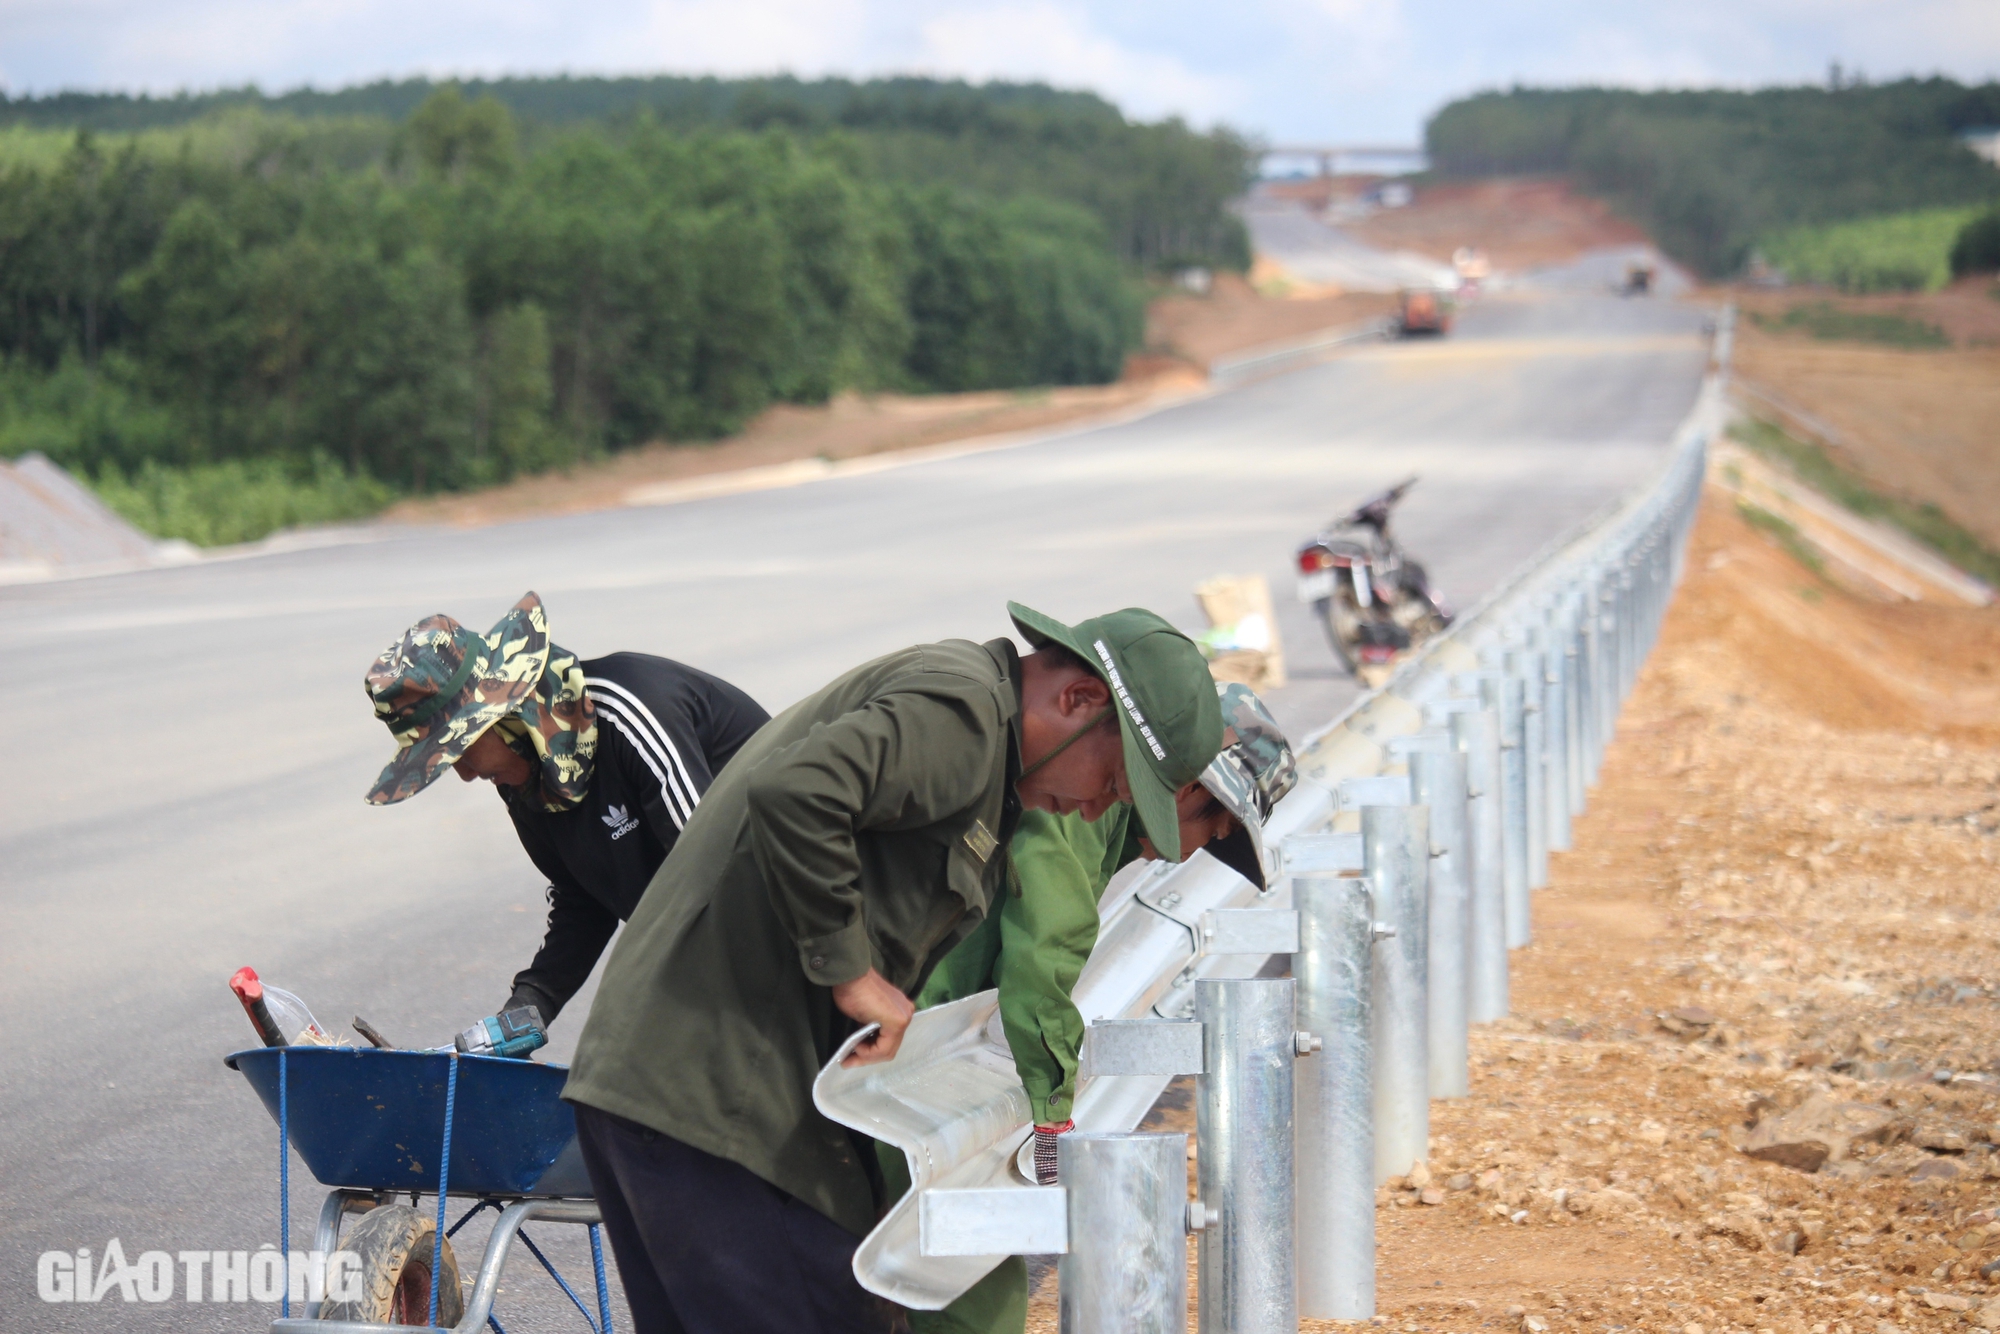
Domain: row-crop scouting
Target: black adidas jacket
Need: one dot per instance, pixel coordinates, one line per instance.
(664, 730)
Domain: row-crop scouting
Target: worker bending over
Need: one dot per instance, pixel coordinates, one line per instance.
(1034, 946)
(600, 763)
(851, 845)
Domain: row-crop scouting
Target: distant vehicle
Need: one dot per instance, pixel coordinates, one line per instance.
(1423, 310)
(1638, 278)
(1374, 602)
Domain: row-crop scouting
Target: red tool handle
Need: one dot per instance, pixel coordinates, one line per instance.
(250, 991)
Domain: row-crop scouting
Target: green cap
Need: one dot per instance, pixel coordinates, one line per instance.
(1164, 699)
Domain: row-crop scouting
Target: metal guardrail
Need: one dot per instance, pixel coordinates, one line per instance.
(1403, 866)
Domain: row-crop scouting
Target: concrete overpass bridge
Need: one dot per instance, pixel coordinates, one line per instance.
(1343, 159)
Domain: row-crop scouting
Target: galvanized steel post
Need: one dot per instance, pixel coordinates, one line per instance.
(1577, 703)
(1126, 1268)
(1604, 690)
(1590, 679)
(1395, 855)
(1503, 694)
(1526, 664)
(1555, 734)
(1615, 621)
(1476, 733)
(1244, 1162)
(1649, 603)
(1437, 783)
(1336, 1100)
(1627, 631)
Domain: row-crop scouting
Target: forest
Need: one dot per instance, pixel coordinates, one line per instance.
(1713, 173)
(329, 299)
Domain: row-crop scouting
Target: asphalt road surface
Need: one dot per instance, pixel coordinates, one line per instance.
(1317, 252)
(188, 747)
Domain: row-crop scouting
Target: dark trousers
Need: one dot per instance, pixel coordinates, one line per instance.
(706, 1246)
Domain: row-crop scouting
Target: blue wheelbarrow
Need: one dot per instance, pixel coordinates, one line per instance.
(374, 1125)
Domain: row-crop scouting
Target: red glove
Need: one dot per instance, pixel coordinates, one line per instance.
(1045, 1151)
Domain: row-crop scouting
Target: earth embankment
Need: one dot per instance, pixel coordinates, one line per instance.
(1779, 908)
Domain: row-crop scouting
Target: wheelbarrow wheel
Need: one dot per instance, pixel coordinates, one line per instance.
(395, 1245)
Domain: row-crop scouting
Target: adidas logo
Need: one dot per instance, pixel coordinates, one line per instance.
(619, 822)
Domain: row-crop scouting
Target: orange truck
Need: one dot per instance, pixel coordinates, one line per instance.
(1423, 310)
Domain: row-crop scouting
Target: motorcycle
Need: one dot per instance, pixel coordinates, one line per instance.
(1374, 602)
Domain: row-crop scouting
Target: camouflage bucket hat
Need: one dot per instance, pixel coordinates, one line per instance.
(1252, 773)
(441, 686)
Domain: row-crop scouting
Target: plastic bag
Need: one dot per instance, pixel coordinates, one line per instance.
(280, 1018)
(294, 1019)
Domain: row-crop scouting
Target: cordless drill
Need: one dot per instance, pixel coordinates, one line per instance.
(512, 1033)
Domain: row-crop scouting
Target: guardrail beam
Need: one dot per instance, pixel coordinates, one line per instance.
(1319, 854)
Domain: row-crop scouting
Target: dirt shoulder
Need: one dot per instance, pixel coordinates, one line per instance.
(1791, 856)
(851, 426)
(1793, 859)
(1234, 316)
(1782, 890)
(1916, 423)
(1184, 333)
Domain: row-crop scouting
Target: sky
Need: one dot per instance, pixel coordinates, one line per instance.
(1291, 71)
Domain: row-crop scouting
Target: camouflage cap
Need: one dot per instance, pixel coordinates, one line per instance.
(1251, 774)
(441, 686)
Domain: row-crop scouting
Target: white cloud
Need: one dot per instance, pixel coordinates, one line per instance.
(1317, 70)
(1058, 44)
(807, 37)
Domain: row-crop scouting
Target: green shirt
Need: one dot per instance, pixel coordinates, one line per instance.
(1035, 946)
(865, 826)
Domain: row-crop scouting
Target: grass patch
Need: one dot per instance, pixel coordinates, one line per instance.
(239, 500)
(1828, 322)
(1925, 522)
(1902, 252)
(1785, 534)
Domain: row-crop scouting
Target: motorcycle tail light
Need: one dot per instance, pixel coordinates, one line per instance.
(1314, 559)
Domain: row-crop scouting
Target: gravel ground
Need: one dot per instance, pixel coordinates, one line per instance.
(1778, 915)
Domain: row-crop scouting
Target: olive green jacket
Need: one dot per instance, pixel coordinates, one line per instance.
(865, 826)
(1035, 946)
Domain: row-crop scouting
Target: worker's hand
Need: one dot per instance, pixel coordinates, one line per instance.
(869, 999)
(1045, 1151)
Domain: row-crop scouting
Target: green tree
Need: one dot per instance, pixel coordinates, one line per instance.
(1976, 249)
(191, 300)
(512, 429)
(453, 138)
(319, 313)
(1710, 172)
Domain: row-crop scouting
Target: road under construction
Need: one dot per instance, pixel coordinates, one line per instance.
(195, 741)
